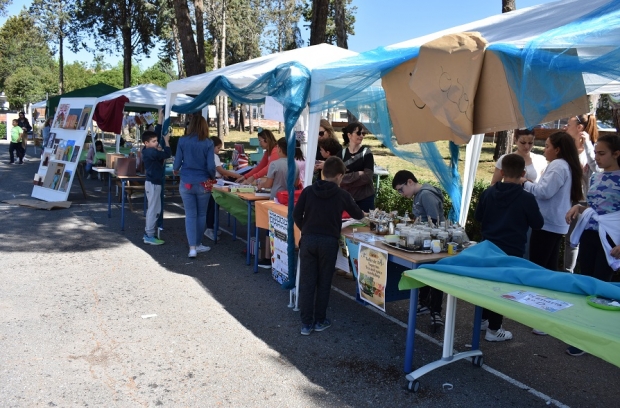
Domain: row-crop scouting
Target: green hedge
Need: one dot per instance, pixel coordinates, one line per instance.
(2, 129)
(388, 199)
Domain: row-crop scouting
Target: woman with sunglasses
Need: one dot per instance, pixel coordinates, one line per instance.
(326, 131)
(584, 131)
(360, 164)
(267, 141)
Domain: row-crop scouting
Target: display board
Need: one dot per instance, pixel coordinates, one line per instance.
(61, 155)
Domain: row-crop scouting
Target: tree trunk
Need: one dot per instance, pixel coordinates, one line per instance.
(61, 64)
(615, 116)
(340, 22)
(251, 119)
(177, 49)
(503, 139)
(127, 54)
(200, 33)
(223, 64)
(318, 25)
(242, 118)
(191, 61)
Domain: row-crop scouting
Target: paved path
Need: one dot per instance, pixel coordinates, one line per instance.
(72, 333)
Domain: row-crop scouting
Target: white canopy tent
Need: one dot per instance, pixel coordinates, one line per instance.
(586, 29)
(145, 96)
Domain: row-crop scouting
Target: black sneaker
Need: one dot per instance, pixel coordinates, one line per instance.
(423, 310)
(325, 324)
(574, 351)
(436, 319)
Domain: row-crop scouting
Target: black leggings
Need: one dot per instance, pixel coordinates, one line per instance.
(592, 260)
(545, 248)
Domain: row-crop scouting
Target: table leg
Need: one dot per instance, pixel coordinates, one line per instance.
(109, 196)
(234, 237)
(475, 339)
(410, 343)
(249, 234)
(123, 205)
(216, 222)
(256, 251)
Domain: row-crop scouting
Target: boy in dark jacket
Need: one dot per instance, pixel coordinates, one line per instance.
(318, 214)
(427, 205)
(506, 211)
(153, 159)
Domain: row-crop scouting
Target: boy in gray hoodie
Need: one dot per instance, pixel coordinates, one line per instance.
(427, 204)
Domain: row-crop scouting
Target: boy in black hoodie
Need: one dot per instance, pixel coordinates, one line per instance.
(318, 214)
(506, 211)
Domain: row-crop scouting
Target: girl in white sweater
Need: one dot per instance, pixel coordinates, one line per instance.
(557, 189)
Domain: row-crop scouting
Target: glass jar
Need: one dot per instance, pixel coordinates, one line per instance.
(457, 237)
(425, 238)
(443, 237)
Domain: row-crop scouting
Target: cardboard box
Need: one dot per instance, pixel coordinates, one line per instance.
(126, 166)
(110, 159)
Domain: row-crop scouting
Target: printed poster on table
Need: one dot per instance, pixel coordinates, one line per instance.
(537, 300)
(372, 275)
(278, 233)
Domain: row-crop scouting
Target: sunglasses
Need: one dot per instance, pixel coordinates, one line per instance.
(360, 133)
(259, 129)
(321, 133)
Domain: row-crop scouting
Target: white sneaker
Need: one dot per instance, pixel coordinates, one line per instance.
(201, 248)
(484, 324)
(209, 234)
(499, 335)
(192, 253)
(539, 332)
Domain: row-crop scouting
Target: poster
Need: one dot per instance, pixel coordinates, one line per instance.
(537, 300)
(372, 275)
(61, 156)
(278, 234)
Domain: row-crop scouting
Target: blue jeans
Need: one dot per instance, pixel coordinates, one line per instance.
(195, 201)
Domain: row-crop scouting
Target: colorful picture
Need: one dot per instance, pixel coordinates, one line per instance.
(59, 149)
(64, 182)
(53, 176)
(76, 154)
(68, 153)
(72, 119)
(83, 122)
(45, 159)
(61, 115)
(50, 142)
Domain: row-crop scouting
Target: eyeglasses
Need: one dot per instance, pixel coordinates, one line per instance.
(360, 133)
(578, 120)
(399, 190)
(321, 133)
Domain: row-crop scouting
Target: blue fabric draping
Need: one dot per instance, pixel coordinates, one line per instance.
(289, 84)
(486, 261)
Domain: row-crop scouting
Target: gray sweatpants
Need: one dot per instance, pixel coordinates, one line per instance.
(153, 196)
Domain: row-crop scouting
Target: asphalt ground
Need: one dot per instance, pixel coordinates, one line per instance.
(77, 293)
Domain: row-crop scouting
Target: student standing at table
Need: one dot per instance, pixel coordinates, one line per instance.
(318, 214)
(506, 212)
(267, 141)
(277, 173)
(194, 159)
(153, 157)
(220, 172)
(559, 186)
(427, 205)
(598, 258)
(584, 131)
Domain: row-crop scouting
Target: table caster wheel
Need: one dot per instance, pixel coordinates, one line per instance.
(478, 361)
(413, 386)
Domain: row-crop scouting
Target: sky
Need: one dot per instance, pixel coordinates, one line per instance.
(378, 22)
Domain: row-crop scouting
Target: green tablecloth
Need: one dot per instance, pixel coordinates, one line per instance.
(237, 207)
(593, 330)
